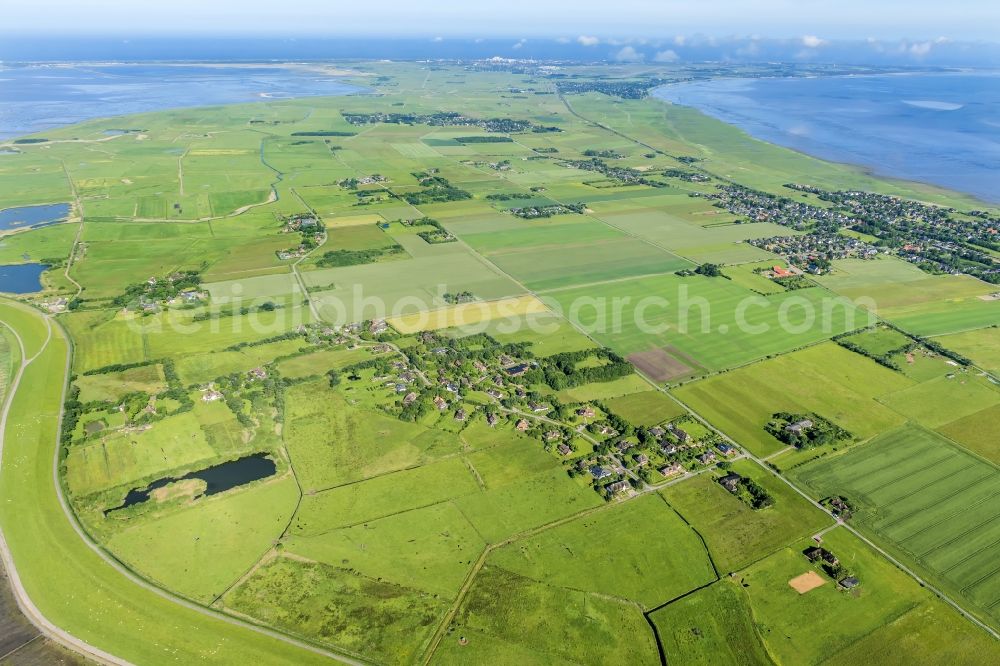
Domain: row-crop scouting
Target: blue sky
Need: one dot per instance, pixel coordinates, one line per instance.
(587, 19)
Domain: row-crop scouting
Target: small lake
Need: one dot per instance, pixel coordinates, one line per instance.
(21, 278)
(218, 478)
(33, 216)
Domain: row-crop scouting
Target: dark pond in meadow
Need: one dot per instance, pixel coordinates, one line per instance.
(21, 278)
(33, 216)
(218, 478)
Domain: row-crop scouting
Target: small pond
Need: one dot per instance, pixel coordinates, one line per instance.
(21, 278)
(33, 216)
(218, 478)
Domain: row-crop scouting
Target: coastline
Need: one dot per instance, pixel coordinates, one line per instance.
(840, 153)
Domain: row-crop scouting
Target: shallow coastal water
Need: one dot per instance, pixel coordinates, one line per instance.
(939, 128)
(34, 98)
(33, 216)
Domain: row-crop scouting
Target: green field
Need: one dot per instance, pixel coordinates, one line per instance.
(486, 492)
(661, 560)
(735, 534)
(838, 384)
(712, 624)
(915, 490)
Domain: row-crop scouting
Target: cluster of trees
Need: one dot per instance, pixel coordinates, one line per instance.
(161, 289)
(534, 212)
(561, 372)
(606, 154)
(436, 190)
(268, 306)
(290, 335)
(460, 297)
(820, 432)
(439, 233)
(337, 258)
(508, 196)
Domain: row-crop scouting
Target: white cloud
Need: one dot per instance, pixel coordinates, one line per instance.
(438, 39)
(680, 40)
(920, 49)
(628, 54)
(667, 56)
(812, 41)
(587, 40)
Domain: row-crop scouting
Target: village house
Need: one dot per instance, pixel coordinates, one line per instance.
(460, 415)
(586, 412)
(377, 327)
(657, 432)
(849, 583)
(495, 394)
(552, 435)
(669, 449)
(640, 459)
(725, 449)
(731, 482)
(522, 425)
(538, 407)
(564, 449)
(492, 419)
(517, 370)
(706, 458)
(599, 472)
(616, 488)
(623, 445)
(681, 435)
(440, 402)
(672, 469)
(257, 373)
(409, 398)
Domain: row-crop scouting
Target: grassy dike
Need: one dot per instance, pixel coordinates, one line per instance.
(69, 583)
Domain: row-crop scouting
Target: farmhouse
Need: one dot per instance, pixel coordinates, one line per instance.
(731, 482)
(799, 426)
(211, 396)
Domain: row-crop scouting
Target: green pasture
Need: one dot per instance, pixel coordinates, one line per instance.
(827, 379)
(929, 499)
(643, 552)
(735, 534)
